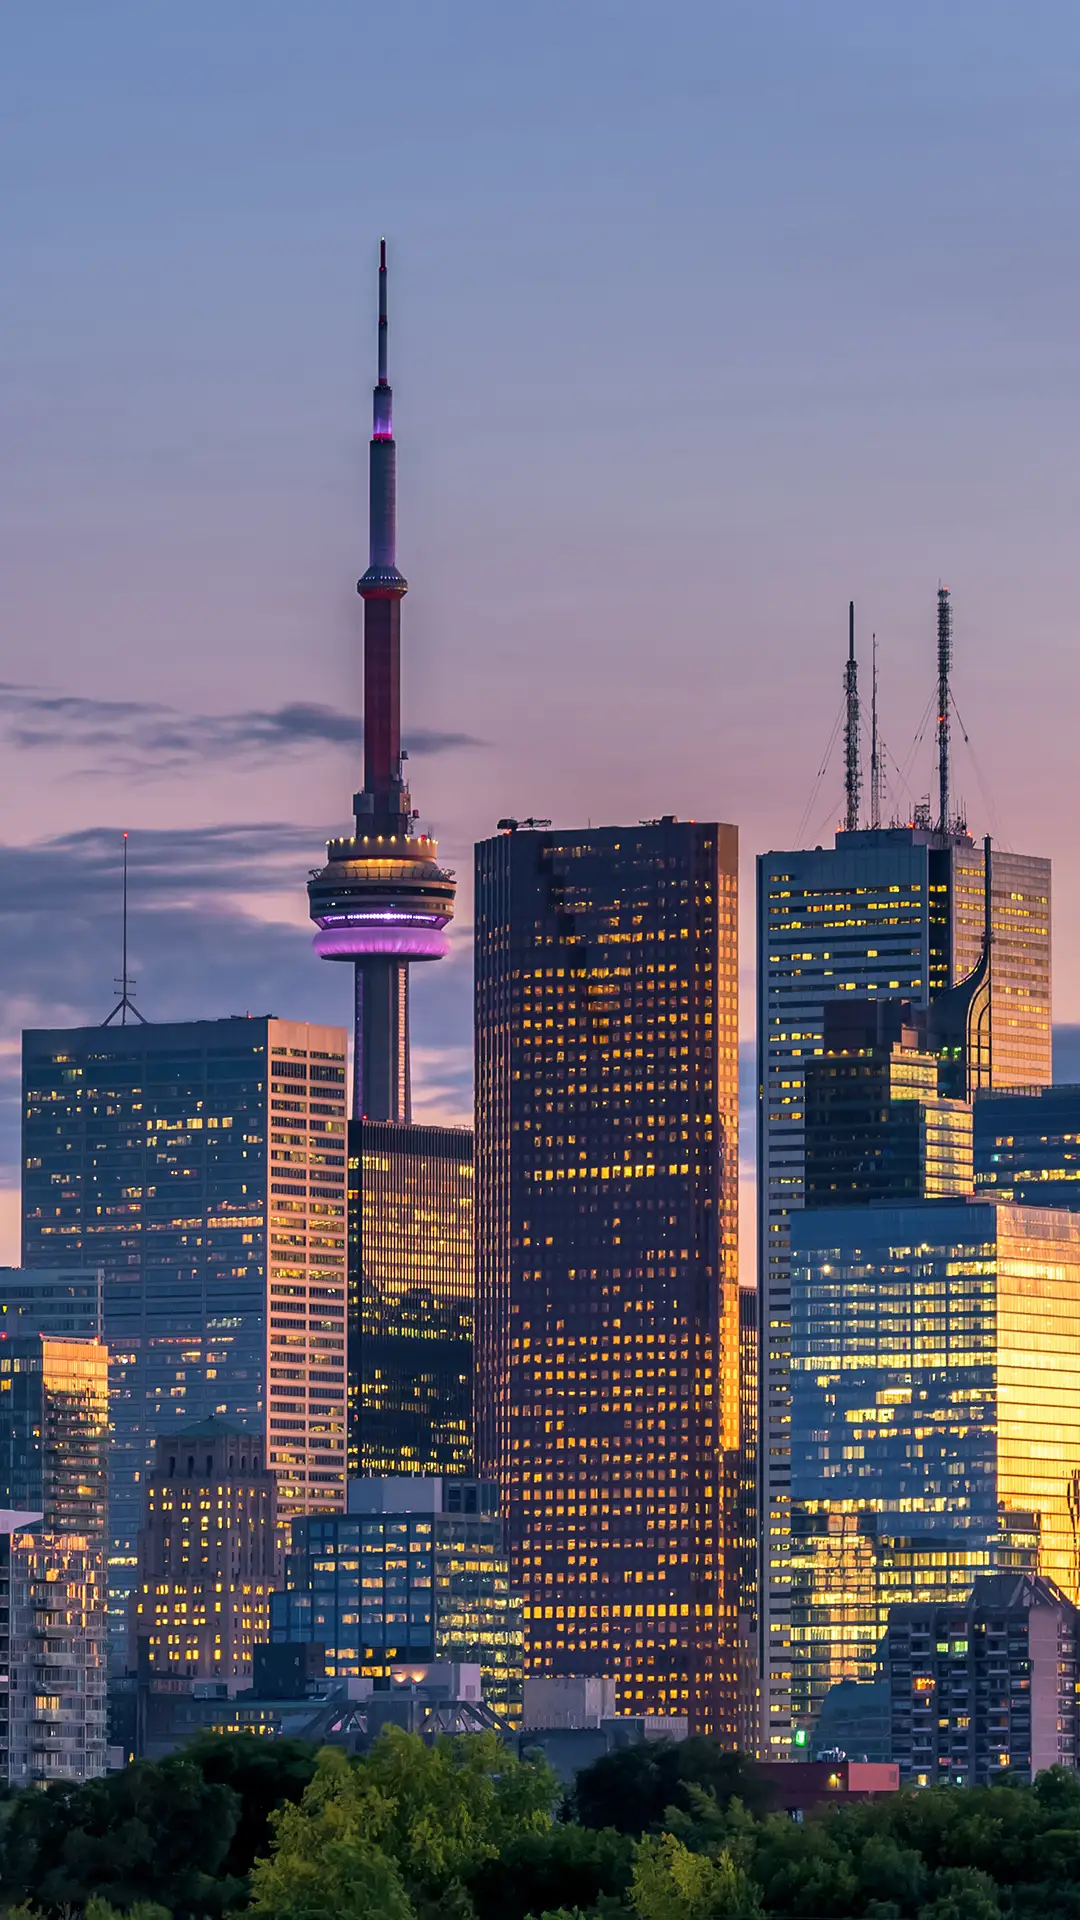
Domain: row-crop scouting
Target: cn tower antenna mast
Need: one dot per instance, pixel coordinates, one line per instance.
(944, 665)
(852, 771)
(382, 902)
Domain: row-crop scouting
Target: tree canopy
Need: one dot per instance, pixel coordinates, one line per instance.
(464, 1830)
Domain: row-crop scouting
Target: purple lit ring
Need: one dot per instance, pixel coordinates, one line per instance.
(404, 943)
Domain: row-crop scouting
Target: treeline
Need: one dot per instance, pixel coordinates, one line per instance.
(465, 1831)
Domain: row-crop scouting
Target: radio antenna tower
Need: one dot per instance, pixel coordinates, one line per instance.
(875, 746)
(944, 663)
(126, 1002)
(852, 778)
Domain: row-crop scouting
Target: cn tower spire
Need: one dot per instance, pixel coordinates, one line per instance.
(382, 901)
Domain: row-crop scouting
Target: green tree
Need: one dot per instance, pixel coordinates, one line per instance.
(963, 1893)
(806, 1870)
(561, 1867)
(327, 1860)
(455, 1804)
(263, 1774)
(633, 1788)
(142, 1910)
(150, 1833)
(671, 1883)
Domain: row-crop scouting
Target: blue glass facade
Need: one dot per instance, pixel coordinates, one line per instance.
(935, 1402)
(428, 1582)
(158, 1154)
(1027, 1146)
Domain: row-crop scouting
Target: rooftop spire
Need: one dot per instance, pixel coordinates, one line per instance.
(852, 771)
(382, 424)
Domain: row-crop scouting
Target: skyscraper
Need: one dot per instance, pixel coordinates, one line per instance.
(201, 1166)
(381, 904)
(54, 1430)
(607, 1295)
(411, 1304)
(935, 1402)
(897, 911)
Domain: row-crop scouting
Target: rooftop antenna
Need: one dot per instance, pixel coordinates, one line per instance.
(875, 747)
(851, 730)
(944, 662)
(126, 984)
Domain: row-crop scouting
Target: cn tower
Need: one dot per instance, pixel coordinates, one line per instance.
(382, 901)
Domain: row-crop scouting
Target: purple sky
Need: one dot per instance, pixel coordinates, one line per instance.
(705, 318)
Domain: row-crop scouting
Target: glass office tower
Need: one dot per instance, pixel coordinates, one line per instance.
(935, 1407)
(607, 1287)
(1027, 1146)
(209, 1555)
(201, 1166)
(876, 1128)
(416, 1571)
(52, 1300)
(896, 911)
(410, 1298)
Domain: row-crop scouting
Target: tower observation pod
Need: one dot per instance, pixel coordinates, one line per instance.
(382, 901)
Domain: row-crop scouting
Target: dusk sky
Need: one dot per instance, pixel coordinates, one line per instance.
(705, 318)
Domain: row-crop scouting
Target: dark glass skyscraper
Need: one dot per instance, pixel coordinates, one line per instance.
(201, 1166)
(876, 1128)
(1027, 1146)
(607, 1296)
(411, 1299)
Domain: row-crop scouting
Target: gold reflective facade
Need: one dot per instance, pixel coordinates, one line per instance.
(607, 1295)
(1020, 976)
(410, 1299)
(54, 1434)
(935, 1417)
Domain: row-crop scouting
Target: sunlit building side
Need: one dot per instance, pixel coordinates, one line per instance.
(935, 1398)
(54, 1428)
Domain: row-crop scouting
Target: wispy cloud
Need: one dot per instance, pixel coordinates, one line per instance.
(149, 738)
(198, 949)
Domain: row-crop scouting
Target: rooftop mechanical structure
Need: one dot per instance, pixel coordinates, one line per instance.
(382, 901)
